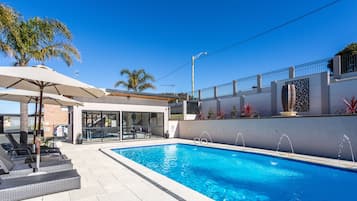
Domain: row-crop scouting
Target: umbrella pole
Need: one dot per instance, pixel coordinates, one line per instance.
(34, 128)
(39, 129)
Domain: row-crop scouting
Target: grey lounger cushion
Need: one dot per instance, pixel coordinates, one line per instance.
(34, 186)
(23, 169)
(19, 168)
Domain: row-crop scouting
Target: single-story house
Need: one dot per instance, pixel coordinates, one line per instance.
(119, 115)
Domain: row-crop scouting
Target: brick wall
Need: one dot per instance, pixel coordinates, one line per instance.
(53, 116)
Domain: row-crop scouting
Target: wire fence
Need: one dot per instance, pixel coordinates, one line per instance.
(251, 83)
(246, 83)
(224, 89)
(207, 93)
(281, 74)
(312, 67)
(348, 63)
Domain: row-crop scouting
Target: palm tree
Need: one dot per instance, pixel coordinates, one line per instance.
(137, 80)
(36, 40)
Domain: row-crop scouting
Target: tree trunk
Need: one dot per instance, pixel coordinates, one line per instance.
(23, 112)
(23, 122)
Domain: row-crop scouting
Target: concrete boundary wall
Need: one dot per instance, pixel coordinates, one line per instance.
(325, 97)
(319, 136)
(338, 91)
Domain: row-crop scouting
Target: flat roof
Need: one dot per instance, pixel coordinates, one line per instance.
(153, 96)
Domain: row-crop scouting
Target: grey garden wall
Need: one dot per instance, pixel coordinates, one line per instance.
(260, 102)
(323, 97)
(318, 136)
(208, 105)
(340, 90)
(228, 103)
(318, 84)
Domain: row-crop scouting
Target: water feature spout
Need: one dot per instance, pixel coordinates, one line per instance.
(345, 139)
(206, 135)
(290, 143)
(239, 134)
(204, 138)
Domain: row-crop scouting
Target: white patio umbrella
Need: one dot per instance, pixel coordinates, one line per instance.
(26, 96)
(45, 80)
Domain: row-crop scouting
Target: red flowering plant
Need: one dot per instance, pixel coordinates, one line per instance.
(248, 111)
(201, 116)
(220, 115)
(351, 105)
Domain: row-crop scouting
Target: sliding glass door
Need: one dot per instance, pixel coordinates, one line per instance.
(141, 125)
(105, 125)
(100, 126)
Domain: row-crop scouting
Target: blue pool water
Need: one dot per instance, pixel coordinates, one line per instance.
(232, 175)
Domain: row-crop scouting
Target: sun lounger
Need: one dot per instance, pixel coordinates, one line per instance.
(37, 185)
(11, 169)
(24, 149)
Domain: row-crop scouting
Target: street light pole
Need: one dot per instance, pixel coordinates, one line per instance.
(193, 58)
(193, 76)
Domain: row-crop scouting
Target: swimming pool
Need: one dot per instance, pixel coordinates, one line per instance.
(232, 175)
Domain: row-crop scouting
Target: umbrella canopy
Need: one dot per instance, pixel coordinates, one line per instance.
(26, 96)
(45, 80)
(35, 78)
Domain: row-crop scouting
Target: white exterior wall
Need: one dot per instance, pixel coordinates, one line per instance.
(340, 90)
(77, 113)
(173, 128)
(318, 136)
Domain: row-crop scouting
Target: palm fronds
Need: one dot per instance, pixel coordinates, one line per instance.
(137, 80)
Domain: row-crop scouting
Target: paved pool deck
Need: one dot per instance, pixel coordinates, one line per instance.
(106, 176)
(104, 179)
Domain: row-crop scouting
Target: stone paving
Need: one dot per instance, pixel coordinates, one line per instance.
(103, 179)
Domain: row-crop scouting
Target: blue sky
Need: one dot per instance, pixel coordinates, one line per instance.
(159, 36)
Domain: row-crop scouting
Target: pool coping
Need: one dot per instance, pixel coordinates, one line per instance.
(182, 192)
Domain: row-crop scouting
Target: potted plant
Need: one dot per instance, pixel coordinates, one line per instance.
(234, 112)
(79, 138)
(210, 114)
(248, 111)
(166, 134)
(220, 115)
(351, 105)
(201, 116)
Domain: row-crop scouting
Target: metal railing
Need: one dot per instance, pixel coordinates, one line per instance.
(176, 108)
(246, 83)
(207, 93)
(281, 74)
(224, 89)
(312, 67)
(348, 63)
(257, 82)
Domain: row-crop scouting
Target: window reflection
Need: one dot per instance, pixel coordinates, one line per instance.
(141, 125)
(103, 125)
(100, 125)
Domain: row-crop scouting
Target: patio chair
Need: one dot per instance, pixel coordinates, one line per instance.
(37, 185)
(142, 132)
(11, 169)
(24, 149)
(128, 133)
